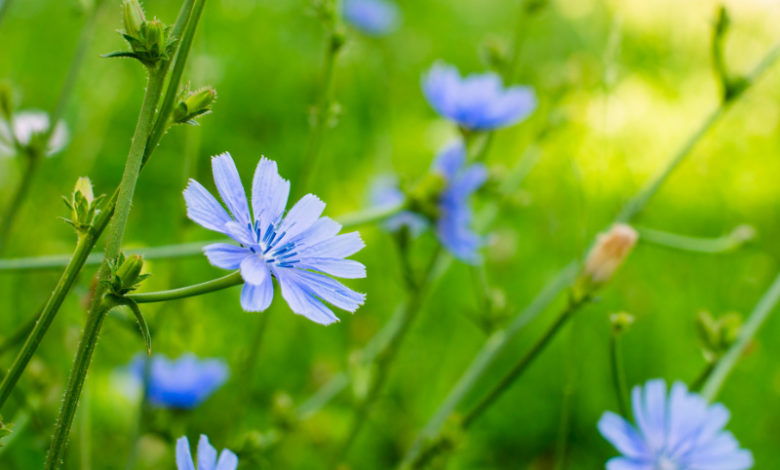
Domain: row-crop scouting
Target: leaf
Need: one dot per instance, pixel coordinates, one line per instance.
(142, 325)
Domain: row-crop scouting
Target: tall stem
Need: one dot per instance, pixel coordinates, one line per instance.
(499, 340)
(4, 4)
(97, 312)
(758, 316)
(384, 361)
(618, 377)
(32, 162)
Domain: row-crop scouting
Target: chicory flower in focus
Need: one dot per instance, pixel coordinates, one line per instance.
(450, 211)
(678, 432)
(207, 456)
(373, 17)
(478, 102)
(300, 249)
(23, 130)
(184, 383)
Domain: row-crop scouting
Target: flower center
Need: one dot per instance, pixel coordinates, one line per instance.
(269, 249)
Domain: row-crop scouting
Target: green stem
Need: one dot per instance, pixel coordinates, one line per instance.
(758, 316)
(232, 279)
(618, 377)
(520, 367)
(32, 163)
(385, 359)
(181, 250)
(726, 243)
(322, 108)
(499, 340)
(701, 379)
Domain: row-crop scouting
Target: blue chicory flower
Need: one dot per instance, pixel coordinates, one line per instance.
(477, 102)
(678, 432)
(299, 249)
(184, 383)
(373, 17)
(24, 126)
(453, 221)
(207, 456)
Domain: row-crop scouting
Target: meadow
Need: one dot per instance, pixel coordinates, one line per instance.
(557, 201)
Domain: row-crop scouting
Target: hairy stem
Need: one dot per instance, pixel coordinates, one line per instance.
(232, 279)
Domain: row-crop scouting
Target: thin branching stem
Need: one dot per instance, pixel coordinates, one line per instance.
(617, 372)
(499, 340)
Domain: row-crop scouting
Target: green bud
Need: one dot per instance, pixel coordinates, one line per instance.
(621, 321)
(283, 411)
(193, 105)
(494, 53)
(722, 22)
(83, 206)
(717, 335)
(134, 17)
(129, 271)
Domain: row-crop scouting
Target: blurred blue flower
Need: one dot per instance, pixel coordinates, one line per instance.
(681, 432)
(184, 383)
(477, 102)
(298, 248)
(207, 456)
(453, 226)
(385, 192)
(454, 215)
(373, 17)
(27, 124)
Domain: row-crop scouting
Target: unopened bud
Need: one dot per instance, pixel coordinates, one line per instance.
(83, 206)
(134, 17)
(717, 335)
(722, 22)
(129, 271)
(193, 105)
(608, 254)
(494, 53)
(621, 321)
(84, 188)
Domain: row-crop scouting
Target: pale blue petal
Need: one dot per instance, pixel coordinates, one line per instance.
(230, 187)
(440, 86)
(323, 229)
(344, 268)
(257, 298)
(269, 193)
(254, 270)
(225, 256)
(300, 301)
(621, 463)
(623, 436)
(516, 104)
(339, 246)
(207, 455)
(204, 209)
(470, 179)
(227, 461)
(374, 17)
(183, 455)
(184, 383)
(449, 161)
(328, 289)
(655, 411)
(301, 217)
(240, 233)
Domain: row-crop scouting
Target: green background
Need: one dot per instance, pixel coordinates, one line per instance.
(619, 111)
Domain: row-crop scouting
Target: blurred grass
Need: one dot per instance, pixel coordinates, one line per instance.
(264, 58)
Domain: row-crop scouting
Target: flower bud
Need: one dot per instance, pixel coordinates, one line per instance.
(83, 205)
(134, 17)
(193, 105)
(125, 274)
(608, 254)
(621, 322)
(84, 188)
(717, 335)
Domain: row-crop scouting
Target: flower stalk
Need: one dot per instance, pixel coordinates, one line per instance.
(499, 340)
(232, 279)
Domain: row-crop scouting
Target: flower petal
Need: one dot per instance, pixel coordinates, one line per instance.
(300, 301)
(183, 455)
(207, 455)
(225, 256)
(345, 268)
(450, 160)
(254, 270)
(329, 290)
(230, 187)
(227, 461)
(269, 193)
(622, 435)
(204, 209)
(302, 216)
(621, 463)
(257, 298)
(339, 246)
